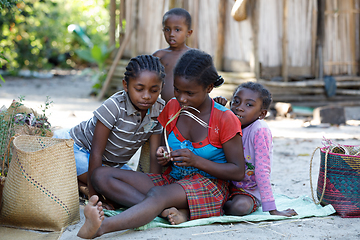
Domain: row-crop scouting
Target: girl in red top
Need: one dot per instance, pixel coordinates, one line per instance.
(202, 161)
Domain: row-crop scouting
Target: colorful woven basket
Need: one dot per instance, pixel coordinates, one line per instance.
(339, 179)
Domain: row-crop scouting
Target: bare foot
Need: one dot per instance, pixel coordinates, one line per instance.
(94, 216)
(175, 216)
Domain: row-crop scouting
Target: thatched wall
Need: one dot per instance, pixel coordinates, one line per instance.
(341, 44)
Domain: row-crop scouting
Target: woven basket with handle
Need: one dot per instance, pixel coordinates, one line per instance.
(339, 179)
(40, 190)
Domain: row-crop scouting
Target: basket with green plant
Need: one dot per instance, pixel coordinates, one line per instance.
(19, 119)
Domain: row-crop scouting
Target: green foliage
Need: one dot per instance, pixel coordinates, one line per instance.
(8, 3)
(2, 57)
(97, 55)
(13, 117)
(7, 128)
(34, 34)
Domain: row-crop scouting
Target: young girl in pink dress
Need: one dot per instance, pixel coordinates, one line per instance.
(250, 103)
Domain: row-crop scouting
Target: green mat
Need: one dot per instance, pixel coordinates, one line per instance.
(304, 206)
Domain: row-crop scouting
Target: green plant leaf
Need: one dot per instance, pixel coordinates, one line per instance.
(97, 54)
(2, 79)
(85, 55)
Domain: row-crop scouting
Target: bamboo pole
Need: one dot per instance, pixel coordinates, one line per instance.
(114, 64)
(219, 53)
(284, 68)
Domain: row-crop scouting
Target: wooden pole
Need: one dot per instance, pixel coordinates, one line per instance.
(195, 25)
(160, 24)
(358, 69)
(284, 68)
(135, 23)
(313, 40)
(255, 33)
(113, 65)
(320, 32)
(352, 31)
(219, 53)
(176, 4)
(121, 19)
(112, 23)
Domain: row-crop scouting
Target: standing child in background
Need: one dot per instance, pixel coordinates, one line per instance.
(177, 28)
(250, 103)
(202, 161)
(122, 124)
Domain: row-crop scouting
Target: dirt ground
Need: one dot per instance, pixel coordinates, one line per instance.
(293, 146)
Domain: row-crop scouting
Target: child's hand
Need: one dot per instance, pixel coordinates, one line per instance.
(183, 157)
(221, 100)
(287, 213)
(162, 156)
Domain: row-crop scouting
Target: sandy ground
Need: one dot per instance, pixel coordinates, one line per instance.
(293, 146)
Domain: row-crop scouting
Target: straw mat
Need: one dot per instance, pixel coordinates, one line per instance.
(303, 205)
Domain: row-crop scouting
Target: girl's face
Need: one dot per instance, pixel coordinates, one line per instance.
(190, 93)
(143, 90)
(247, 106)
(176, 30)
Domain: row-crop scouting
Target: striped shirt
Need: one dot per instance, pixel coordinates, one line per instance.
(128, 133)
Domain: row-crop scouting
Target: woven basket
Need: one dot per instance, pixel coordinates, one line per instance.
(339, 180)
(144, 159)
(30, 130)
(40, 190)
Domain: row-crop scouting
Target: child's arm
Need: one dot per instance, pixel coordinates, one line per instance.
(101, 134)
(263, 140)
(154, 140)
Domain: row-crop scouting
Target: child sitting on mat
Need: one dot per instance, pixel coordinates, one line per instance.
(250, 103)
(206, 153)
(122, 124)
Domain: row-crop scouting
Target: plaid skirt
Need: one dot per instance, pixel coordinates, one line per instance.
(206, 197)
(239, 191)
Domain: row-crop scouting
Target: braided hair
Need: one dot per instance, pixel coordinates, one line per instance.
(144, 63)
(178, 12)
(198, 66)
(264, 94)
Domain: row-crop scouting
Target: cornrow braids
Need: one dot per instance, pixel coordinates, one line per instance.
(178, 12)
(264, 94)
(144, 63)
(198, 66)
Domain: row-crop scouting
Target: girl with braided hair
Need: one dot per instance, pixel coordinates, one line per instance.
(122, 124)
(203, 158)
